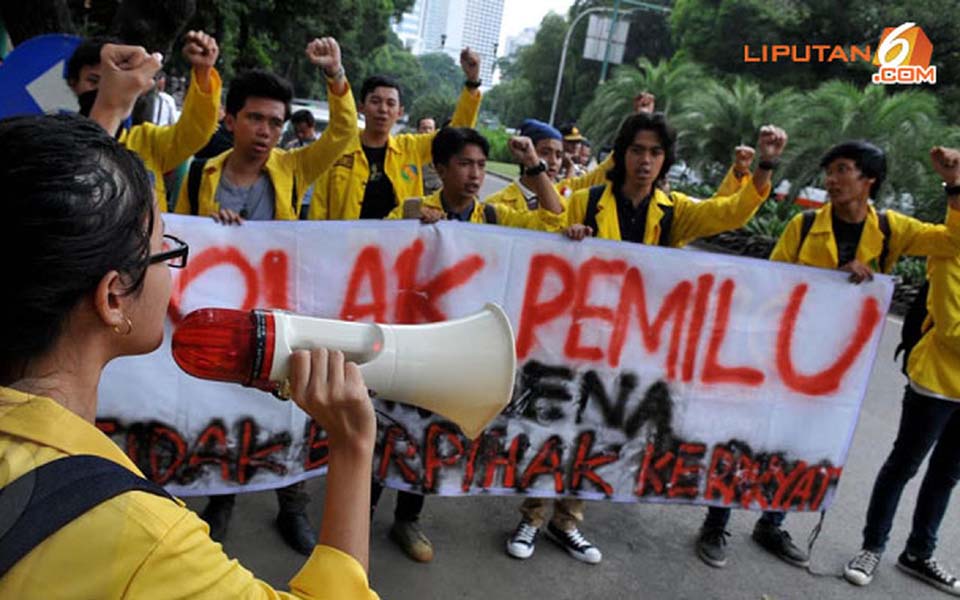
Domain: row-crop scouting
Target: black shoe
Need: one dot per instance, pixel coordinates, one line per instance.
(778, 542)
(217, 515)
(927, 569)
(296, 531)
(712, 546)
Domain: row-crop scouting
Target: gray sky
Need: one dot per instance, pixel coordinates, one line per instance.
(520, 14)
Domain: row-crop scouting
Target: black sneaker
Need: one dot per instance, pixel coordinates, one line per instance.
(778, 542)
(712, 546)
(862, 567)
(575, 544)
(928, 570)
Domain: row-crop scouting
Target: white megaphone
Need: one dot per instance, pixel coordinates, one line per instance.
(461, 369)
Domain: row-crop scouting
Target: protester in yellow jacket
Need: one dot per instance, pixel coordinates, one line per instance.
(73, 187)
(162, 148)
(632, 208)
(460, 156)
(930, 418)
(266, 182)
(870, 240)
(378, 170)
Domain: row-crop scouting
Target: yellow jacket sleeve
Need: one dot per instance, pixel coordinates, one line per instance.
(788, 246)
(935, 360)
(465, 115)
(187, 558)
(310, 162)
(916, 238)
(693, 220)
(164, 148)
(577, 208)
(732, 184)
(596, 176)
(540, 219)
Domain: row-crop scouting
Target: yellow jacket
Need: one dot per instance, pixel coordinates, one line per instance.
(692, 219)
(338, 194)
(135, 545)
(513, 195)
(935, 360)
(286, 167)
(540, 219)
(907, 236)
(162, 149)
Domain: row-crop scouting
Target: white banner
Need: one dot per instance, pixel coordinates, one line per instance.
(644, 373)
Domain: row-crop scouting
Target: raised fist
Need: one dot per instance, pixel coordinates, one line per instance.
(523, 151)
(946, 162)
(470, 63)
(200, 50)
(325, 53)
(771, 143)
(645, 102)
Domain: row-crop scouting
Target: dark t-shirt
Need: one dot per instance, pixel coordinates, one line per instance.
(378, 197)
(633, 221)
(847, 236)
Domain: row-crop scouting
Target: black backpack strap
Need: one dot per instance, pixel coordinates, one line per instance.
(884, 221)
(194, 176)
(806, 225)
(490, 214)
(666, 223)
(40, 502)
(593, 200)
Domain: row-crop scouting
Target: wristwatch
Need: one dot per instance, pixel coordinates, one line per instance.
(951, 190)
(540, 167)
(473, 84)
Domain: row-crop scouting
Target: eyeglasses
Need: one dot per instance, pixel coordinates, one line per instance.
(176, 256)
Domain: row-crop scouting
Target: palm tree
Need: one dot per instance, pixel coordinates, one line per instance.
(905, 124)
(718, 117)
(669, 80)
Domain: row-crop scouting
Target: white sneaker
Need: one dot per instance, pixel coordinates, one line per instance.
(575, 544)
(862, 567)
(523, 541)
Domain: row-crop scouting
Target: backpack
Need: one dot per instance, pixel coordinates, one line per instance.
(882, 220)
(49, 497)
(593, 200)
(489, 214)
(912, 330)
(194, 177)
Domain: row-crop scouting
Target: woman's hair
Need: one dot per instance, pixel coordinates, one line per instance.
(632, 125)
(75, 205)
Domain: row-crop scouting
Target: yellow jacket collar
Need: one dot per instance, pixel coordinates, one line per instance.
(871, 240)
(45, 422)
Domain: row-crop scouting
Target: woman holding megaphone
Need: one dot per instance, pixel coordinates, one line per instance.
(86, 280)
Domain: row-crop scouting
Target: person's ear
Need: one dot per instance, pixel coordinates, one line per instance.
(229, 121)
(110, 301)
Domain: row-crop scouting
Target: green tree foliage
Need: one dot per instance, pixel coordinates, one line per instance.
(671, 81)
(438, 106)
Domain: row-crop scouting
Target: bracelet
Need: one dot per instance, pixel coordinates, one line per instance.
(336, 76)
(768, 165)
(469, 83)
(951, 190)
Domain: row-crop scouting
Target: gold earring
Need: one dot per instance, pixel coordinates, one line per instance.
(116, 328)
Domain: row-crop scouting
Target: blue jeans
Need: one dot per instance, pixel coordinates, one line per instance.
(717, 517)
(924, 424)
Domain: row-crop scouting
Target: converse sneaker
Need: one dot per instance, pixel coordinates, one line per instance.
(928, 570)
(575, 544)
(712, 546)
(523, 541)
(778, 542)
(411, 539)
(861, 568)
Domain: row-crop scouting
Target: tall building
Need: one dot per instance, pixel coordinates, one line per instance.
(513, 43)
(450, 25)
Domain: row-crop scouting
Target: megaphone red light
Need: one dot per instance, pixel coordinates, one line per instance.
(221, 344)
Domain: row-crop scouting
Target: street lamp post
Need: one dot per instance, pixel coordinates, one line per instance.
(563, 57)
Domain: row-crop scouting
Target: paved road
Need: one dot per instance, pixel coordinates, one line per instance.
(648, 550)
